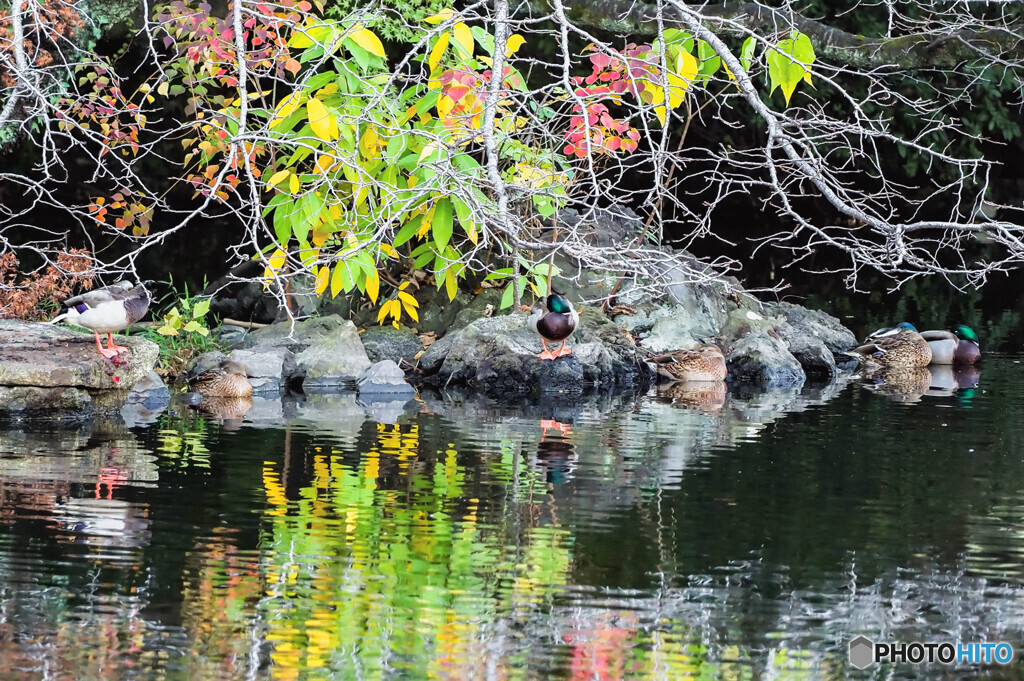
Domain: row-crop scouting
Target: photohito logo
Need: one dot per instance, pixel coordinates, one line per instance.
(864, 652)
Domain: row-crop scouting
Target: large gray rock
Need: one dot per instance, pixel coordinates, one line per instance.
(53, 371)
(48, 356)
(499, 355)
(296, 337)
(268, 368)
(334, 359)
(384, 378)
(813, 337)
(755, 352)
(386, 342)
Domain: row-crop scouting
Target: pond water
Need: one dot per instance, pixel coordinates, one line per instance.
(690, 535)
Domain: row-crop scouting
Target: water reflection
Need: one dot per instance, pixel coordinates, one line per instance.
(688, 533)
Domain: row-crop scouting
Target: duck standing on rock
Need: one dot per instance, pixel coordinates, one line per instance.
(701, 364)
(107, 310)
(554, 319)
(898, 347)
(958, 347)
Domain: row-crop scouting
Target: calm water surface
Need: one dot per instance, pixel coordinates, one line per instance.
(694, 535)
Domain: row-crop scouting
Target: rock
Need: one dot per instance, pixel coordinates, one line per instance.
(45, 355)
(230, 336)
(754, 351)
(813, 337)
(386, 342)
(815, 324)
(298, 336)
(268, 368)
(499, 355)
(333, 359)
(203, 363)
(384, 379)
(61, 403)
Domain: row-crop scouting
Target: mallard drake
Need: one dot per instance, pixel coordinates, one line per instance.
(553, 318)
(953, 347)
(107, 310)
(898, 347)
(226, 380)
(701, 364)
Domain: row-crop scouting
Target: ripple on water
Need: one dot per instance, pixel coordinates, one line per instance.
(674, 535)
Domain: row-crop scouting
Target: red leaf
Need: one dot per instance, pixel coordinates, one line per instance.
(457, 92)
(292, 66)
(612, 144)
(569, 150)
(601, 61)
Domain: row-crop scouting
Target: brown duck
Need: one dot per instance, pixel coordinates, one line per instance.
(701, 364)
(227, 380)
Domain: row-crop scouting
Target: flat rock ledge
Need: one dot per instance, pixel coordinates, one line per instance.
(54, 370)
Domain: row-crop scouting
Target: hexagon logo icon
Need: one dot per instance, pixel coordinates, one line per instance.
(861, 652)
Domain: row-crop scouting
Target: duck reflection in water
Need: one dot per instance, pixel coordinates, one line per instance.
(909, 385)
(707, 396)
(556, 456)
(229, 411)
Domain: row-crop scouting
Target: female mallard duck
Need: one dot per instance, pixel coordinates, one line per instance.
(956, 347)
(226, 380)
(106, 310)
(553, 318)
(898, 347)
(702, 364)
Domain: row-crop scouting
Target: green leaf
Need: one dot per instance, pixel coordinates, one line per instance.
(710, 62)
(407, 231)
(442, 225)
(747, 53)
(789, 62)
(201, 308)
(507, 297)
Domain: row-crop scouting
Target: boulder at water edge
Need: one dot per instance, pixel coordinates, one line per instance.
(498, 355)
(45, 367)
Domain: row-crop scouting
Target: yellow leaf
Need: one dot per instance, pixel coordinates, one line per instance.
(322, 279)
(659, 111)
(274, 263)
(444, 15)
(411, 311)
(336, 285)
(471, 232)
(388, 250)
(369, 144)
(445, 104)
(163, 87)
(451, 284)
(277, 177)
(319, 119)
(286, 108)
(324, 163)
(439, 47)
(369, 41)
(463, 38)
(372, 285)
(382, 313)
(514, 42)
(294, 184)
(396, 310)
(408, 299)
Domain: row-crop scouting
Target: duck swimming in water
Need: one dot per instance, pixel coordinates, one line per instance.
(898, 347)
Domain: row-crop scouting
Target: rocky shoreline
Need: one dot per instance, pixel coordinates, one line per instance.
(56, 371)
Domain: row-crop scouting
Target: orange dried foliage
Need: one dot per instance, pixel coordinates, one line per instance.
(32, 297)
(59, 19)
